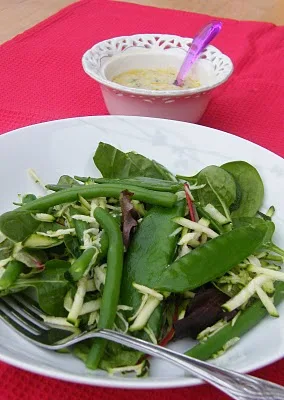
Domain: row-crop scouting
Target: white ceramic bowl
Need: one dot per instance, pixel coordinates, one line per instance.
(113, 56)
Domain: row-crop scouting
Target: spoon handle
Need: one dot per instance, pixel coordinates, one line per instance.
(201, 40)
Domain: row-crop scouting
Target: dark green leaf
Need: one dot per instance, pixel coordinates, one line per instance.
(67, 180)
(50, 285)
(238, 199)
(6, 249)
(49, 226)
(251, 187)
(220, 188)
(254, 221)
(18, 225)
(114, 163)
(72, 245)
(117, 356)
(27, 198)
(64, 182)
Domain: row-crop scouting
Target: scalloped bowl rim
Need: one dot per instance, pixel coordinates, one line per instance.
(148, 92)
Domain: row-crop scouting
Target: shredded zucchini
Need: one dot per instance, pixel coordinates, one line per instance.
(84, 202)
(144, 315)
(143, 302)
(183, 251)
(2, 237)
(93, 318)
(5, 262)
(245, 294)
(215, 214)
(270, 212)
(91, 287)
(195, 226)
(211, 330)
(176, 232)
(90, 306)
(78, 302)
(146, 290)
(60, 321)
(230, 343)
(190, 239)
(85, 218)
(139, 369)
(58, 234)
(36, 179)
(100, 276)
(124, 321)
(267, 302)
(151, 334)
(275, 275)
(253, 260)
(234, 320)
(44, 217)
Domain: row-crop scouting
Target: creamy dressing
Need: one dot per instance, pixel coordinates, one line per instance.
(153, 79)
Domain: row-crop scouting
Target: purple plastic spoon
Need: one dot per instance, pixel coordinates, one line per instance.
(201, 40)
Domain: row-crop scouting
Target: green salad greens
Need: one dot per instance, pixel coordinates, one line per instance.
(142, 251)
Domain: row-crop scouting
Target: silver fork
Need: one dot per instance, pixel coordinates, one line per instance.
(19, 313)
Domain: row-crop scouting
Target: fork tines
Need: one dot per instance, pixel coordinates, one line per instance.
(21, 314)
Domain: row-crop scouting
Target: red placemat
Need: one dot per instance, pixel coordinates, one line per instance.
(42, 79)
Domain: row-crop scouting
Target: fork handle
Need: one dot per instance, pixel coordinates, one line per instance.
(234, 384)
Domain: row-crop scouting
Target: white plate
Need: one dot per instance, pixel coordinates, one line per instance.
(66, 147)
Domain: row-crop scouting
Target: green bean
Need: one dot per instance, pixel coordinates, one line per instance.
(246, 321)
(80, 226)
(213, 259)
(164, 199)
(145, 182)
(11, 274)
(104, 245)
(18, 224)
(111, 291)
(79, 266)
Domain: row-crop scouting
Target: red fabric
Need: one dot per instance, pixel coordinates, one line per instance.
(42, 79)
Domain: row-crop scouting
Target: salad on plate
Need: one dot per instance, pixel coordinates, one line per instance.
(142, 251)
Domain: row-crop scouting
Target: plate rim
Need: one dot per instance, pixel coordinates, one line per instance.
(133, 117)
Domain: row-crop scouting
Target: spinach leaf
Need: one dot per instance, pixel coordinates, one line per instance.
(254, 221)
(114, 163)
(238, 199)
(6, 249)
(219, 190)
(192, 180)
(116, 355)
(28, 198)
(251, 187)
(50, 285)
(32, 258)
(68, 181)
(72, 246)
(18, 225)
(49, 226)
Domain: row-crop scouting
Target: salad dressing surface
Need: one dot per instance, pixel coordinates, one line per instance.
(153, 79)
